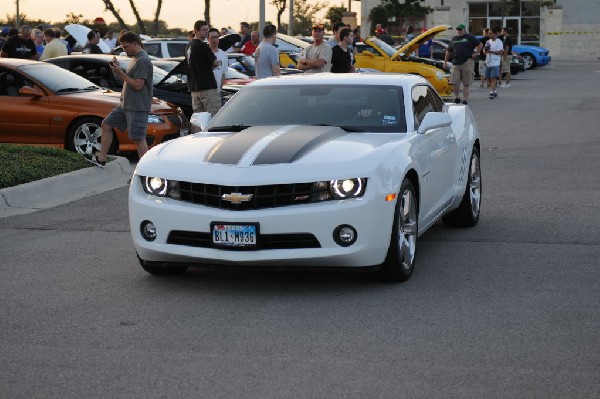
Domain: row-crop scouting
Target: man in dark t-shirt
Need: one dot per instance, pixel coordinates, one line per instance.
(91, 47)
(201, 81)
(463, 48)
(20, 46)
(341, 55)
(506, 57)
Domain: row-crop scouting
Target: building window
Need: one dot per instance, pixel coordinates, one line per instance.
(486, 14)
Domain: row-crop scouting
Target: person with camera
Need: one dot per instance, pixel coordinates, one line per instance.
(136, 100)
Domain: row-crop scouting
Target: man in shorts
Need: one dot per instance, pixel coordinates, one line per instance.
(463, 48)
(506, 57)
(493, 51)
(136, 100)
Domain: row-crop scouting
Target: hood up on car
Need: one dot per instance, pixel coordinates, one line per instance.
(79, 32)
(415, 43)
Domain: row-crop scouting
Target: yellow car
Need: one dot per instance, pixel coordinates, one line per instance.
(376, 54)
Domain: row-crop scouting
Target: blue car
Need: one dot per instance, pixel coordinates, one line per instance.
(532, 55)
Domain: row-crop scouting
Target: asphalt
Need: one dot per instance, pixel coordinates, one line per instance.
(62, 189)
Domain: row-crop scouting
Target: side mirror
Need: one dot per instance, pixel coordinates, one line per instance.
(199, 121)
(434, 120)
(27, 91)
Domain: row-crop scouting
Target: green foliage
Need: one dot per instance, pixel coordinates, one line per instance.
(304, 15)
(24, 164)
(409, 9)
(334, 14)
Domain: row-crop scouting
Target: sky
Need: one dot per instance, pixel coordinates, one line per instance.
(177, 13)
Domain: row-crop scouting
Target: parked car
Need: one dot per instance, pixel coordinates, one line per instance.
(247, 65)
(533, 56)
(43, 104)
(95, 67)
(344, 170)
(376, 54)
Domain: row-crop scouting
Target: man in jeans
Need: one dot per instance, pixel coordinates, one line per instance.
(463, 48)
(136, 100)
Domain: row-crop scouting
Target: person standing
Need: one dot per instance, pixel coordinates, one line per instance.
(91, 47)
(463, 48)
(245, 35)
(3, 36)
(250, 46)
(222, 59)
(267, 55)
(341, 55)
(38, 39)
(110, 40)
(54, 47)
(317, 56)
(136, 100)
(20, 45)
(481, 63)
(493, 50)
(506, 57)
(201, 80)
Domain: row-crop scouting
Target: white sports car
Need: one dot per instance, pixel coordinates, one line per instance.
(326, 170)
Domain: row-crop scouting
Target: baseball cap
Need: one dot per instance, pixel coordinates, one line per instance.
(318, 26)
(461, 26)
(5, 30)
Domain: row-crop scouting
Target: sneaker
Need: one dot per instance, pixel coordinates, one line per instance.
(506, 85)
(492, 96)
(495, 94)
(457, 100)
(93, 159)
(465, 102)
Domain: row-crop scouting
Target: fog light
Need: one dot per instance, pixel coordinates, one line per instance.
(148, 230)
(345, 235)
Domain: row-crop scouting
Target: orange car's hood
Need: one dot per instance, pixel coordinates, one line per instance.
(114, 98)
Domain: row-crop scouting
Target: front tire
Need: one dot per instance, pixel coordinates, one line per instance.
(467, 213)
(529, 60)
(160, 269)
(85, 136)
(400, 260)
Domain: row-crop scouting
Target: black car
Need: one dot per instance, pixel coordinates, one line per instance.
(95, 67)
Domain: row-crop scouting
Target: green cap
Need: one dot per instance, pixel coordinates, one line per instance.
(461, 26)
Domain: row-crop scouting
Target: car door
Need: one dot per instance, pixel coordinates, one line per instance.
(370, 57)
(23, 118)
(439, 150)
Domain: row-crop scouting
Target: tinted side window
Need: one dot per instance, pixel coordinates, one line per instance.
(425, 100)
(153, 49)
(176, 49)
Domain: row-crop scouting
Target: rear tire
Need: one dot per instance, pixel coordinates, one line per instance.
(467, 213)
(400, 260)
(161, 268)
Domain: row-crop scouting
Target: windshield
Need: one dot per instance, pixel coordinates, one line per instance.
(231, 73)
(243, 63)
(389, 50)
(352, 107)
(56, 79)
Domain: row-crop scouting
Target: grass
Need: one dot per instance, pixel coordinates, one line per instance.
(23, 164)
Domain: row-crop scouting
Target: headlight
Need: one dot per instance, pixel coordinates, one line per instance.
(155, 119)
(161, 187)
(347, 188)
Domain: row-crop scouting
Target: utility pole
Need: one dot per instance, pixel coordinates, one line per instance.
(261, 22)
(18, 18)
(291, 22)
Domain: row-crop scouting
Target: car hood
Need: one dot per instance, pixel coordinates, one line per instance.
(266, 152)
(181, 68)
(414, 44)
(113, 98)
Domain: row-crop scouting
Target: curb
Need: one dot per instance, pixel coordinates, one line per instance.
(62, 189)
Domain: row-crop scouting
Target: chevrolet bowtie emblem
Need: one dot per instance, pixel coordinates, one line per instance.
(236, 198)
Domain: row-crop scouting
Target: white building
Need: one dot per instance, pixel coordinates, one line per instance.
(569, 28)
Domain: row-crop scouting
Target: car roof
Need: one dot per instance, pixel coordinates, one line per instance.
(165, 39)
(383, 79)
(103, 57)
(16, 62)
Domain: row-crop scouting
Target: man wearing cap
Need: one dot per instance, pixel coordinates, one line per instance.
(3, 36)
(463, 48)
(317, 56)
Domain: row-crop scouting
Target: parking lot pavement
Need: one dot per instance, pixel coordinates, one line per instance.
(61, 189)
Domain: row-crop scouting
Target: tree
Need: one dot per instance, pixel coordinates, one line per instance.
(304, 15)
(158, 7)
(140, 23)
(280, 5)
(110, 7)
(207, 11)
(334, 14)
(410, 9)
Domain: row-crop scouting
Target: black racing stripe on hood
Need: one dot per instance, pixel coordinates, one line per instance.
(296, 143)
(230, 150)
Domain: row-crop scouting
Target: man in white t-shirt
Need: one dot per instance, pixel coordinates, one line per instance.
(222, 59)
(494, 48)
(317, 56)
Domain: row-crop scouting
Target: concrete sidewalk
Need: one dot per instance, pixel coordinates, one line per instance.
(62, 189)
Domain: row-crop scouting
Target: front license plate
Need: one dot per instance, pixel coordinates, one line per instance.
(234, 235)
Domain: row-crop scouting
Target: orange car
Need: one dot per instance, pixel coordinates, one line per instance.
(42, 104)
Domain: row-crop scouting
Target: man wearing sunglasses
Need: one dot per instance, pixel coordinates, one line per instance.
(317, 56)
(463, 49)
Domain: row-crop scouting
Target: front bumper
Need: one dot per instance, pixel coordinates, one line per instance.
(370, 215)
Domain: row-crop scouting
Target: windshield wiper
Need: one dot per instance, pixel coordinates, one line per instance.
(349, 129)
(231, 128)
(91, 88)
(68, 90)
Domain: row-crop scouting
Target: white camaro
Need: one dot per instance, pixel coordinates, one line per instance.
(327, 170)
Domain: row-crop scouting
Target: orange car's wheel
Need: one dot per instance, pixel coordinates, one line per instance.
(85, 136)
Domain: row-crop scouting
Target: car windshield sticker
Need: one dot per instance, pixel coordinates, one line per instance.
(389, 120)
